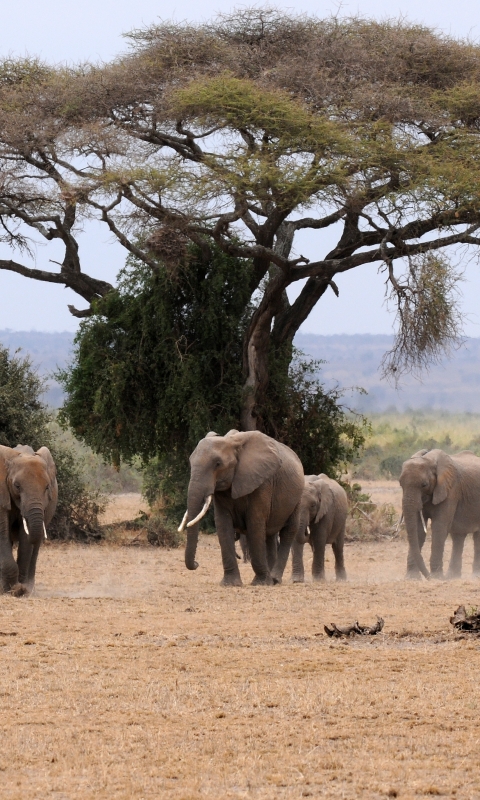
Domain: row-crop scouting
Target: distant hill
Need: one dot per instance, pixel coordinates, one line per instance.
(354, 361)
(351, 361)
(48, 352)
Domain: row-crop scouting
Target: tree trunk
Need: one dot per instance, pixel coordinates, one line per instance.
(257, 342)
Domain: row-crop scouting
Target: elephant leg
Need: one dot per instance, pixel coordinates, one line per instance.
(271, 551)
(337, 547)
(439, 537)
(256, 535)
(298, 572)
(413, 573)
(226, 538)
(8, 565)
(455, 566)
(286, 539)
(318, 540)
(476, 554)
(244, 548)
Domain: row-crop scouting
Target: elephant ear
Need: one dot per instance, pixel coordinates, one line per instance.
(258, 460)
(446, 475)
(46, 455)
(325, 496)
(419, 453)
(5, 501)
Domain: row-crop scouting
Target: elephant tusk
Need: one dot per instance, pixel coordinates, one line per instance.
(181, 527)
(25, 526)
(202, 512)
(423, 522)
(45, 531)
(308, 529)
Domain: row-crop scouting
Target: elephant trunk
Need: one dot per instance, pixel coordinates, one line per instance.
(197, 497)
(303, 535)
(412, 510)
(35, 523)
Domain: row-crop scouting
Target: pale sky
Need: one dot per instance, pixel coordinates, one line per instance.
(92, 30)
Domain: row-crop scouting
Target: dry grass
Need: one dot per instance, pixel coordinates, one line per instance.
(383, 492)
(129, 677)
(123, 507)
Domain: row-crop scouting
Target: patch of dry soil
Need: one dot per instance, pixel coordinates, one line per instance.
(126, 676)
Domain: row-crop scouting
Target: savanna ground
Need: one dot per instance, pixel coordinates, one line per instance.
(126, 676)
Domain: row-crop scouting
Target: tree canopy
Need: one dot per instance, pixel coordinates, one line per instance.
(241, 133)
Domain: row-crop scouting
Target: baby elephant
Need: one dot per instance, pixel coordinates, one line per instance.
(323, 510)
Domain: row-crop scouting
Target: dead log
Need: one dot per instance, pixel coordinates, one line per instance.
(337, 631)
(462, 621)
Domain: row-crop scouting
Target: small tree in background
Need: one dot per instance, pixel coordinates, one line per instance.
(24, 419)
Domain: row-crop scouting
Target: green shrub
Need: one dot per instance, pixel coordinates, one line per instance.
(24, 419)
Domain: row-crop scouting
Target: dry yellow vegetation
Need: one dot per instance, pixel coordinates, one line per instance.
(126, 676)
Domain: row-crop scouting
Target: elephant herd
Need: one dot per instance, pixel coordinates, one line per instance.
(259, 493)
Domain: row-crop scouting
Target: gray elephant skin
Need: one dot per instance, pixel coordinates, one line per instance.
(256, 484)
(446, 490)
(28, 498)
(323, 509)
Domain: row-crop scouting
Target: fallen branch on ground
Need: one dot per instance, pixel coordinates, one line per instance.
(462, 621)
(356, 628)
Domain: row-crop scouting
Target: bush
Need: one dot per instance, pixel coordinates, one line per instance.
(366, 521)
(310, 419)
(24, 419)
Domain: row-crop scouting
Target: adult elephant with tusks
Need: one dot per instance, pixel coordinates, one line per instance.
(28, 498)
(256, 484)
(446, 490)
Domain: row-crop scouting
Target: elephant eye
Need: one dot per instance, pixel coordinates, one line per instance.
(424, 483)
(17, 485)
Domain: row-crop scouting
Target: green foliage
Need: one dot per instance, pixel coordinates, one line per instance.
(99, 475)
(310, 419)
(24, 419)
(160, 364)
(395, 437)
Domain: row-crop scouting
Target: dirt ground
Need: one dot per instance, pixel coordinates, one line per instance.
(126, 676)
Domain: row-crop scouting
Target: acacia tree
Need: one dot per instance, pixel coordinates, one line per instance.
(244, 132)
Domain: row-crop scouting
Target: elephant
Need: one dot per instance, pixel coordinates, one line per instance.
(256, 484)
(446, 490)
(242, 539)
(323, 510)
(28, 498)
